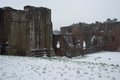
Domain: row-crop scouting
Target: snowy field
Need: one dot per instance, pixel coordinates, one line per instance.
(97, 66)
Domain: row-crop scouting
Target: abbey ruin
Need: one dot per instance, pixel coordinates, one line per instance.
(83, 38)
(26, 30)
(29, 32)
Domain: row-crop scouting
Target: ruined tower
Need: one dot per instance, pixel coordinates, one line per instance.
(26, 30)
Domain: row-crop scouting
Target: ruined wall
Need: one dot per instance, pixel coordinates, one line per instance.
(111, 36)
(39, 20)
(4, 23)
(97, 36)
(1, 24)
(27, 29)
(59, 45)
(18, 41)
(72, 40)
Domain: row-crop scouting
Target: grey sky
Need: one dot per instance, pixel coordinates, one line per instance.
(67, 12)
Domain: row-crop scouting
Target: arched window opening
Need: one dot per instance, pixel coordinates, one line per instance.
(94, 40)
(58, 44)
(84, 45)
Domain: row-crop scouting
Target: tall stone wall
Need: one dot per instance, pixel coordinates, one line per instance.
(18, 41)
(1, 24)
(5, 17)
(39, 20)
(26, 30)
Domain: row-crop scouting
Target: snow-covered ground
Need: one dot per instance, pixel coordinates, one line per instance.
(101, 57)
(97, 66)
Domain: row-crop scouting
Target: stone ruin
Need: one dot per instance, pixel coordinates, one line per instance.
(28, 32)
(83, 38)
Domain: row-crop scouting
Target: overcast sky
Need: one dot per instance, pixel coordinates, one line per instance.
(67, 12)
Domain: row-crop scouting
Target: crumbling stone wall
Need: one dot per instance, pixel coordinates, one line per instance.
(28, 29)
(18, 41)
(97, 36)
(112, 36)
(39, 20)
(59, 45)
(4, 23)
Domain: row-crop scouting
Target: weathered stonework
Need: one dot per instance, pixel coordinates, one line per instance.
(26, 30)
(87, 38)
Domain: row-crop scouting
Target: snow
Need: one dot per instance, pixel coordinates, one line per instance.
(98, 66)
(101, 57)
